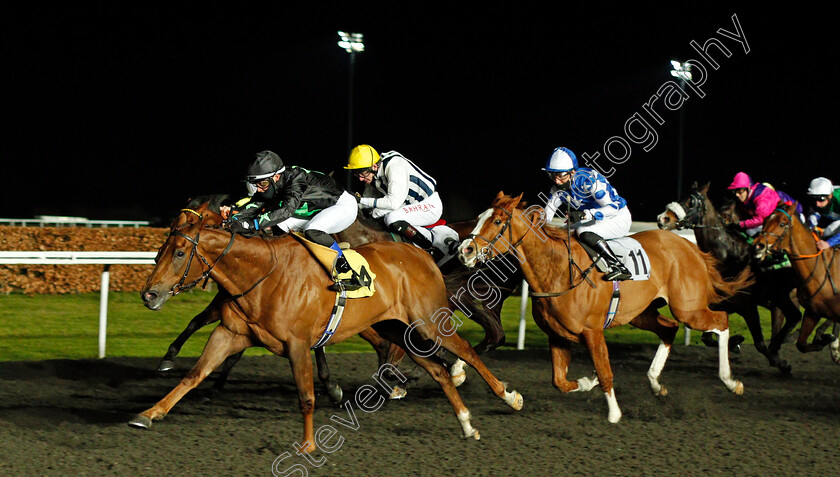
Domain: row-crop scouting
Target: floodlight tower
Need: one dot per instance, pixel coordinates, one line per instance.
(683, 72)
(352, 43)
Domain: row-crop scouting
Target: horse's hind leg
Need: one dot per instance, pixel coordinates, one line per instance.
(224, 372)
(717, 322)
(222, 343)
(597, 345)
(398, 332)
(333, 390)
(209, 315)
(461, 348)
(651, 320)
(390, 353)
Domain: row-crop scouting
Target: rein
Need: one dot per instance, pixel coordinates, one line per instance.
(485, 251)
(181, 286)
(787, 229)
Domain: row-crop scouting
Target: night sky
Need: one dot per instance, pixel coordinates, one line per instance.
(125, 110)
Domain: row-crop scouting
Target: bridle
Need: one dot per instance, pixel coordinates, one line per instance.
(205, 276)
(484, 253)
(787, 228)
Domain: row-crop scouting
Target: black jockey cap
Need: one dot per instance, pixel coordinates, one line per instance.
(265, 165)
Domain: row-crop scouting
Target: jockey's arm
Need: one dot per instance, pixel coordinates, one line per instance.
(608, 204)
(292, 198)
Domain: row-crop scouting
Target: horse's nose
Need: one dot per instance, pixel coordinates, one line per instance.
(663, 221)
(148, 296)
(467, 252)
(759, 249)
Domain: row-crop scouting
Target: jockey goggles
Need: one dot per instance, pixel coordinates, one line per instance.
(820, 198)
(358, 173)
(561, 175)
(261, 181)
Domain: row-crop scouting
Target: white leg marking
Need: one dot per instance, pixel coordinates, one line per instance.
(587, 383)
(656, 367)
(458, 373)
(834, 347)
(469, 430)
(614, 411)
(724, 372)
(514, 400)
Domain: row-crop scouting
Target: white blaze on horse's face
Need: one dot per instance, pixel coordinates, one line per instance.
(468, 251)
(669, 219)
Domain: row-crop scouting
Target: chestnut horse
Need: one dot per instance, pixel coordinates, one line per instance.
(571, 307)
(207, 208)
(817, 273)
(479, 300)
(772, 289)
(290, 309)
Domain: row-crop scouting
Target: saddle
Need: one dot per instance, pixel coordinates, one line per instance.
(630, 252)
(359, 265)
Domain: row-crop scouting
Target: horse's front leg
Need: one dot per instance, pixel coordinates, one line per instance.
(561, 356)
(298, 353)
(222, 343)
(597, 346)
(809, 322)
(207, 316)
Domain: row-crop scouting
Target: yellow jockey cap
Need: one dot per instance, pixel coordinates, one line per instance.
(362, 157)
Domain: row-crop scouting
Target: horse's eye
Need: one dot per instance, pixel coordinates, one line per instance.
(179, 253)
(497, 222)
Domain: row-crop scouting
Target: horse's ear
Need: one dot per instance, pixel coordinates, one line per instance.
(517, 199)
(705, 189)
(694, 186)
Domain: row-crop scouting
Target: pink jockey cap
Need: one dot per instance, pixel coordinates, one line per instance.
(741, 181)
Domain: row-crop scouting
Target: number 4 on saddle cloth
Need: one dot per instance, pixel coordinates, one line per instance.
(359, 265)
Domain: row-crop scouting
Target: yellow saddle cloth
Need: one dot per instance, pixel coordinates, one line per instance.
(326, 257)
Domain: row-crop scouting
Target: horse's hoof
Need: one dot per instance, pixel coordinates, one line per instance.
(785, 367)
(739, 389)
(336, 394)
(140, 422)
(397, 393)
(458, 379)
(735, 344)
(166, 365)
(662, 392)
(475, 435)
(614, 417)
(515, 400)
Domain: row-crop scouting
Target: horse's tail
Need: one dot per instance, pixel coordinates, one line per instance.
(721, 289)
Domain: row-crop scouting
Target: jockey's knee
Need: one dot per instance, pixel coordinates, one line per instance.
(318, 236)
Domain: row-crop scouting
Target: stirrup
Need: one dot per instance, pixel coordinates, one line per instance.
(617, 274)
(345, 285)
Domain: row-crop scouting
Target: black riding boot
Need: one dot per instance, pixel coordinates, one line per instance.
(414, 236)
(341, 265)
(617, 269)
(348, 284)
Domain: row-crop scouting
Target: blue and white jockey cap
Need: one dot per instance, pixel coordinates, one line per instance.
(561, 160)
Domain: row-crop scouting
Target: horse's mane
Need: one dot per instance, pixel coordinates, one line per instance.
(558, 234)
(213, 201)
